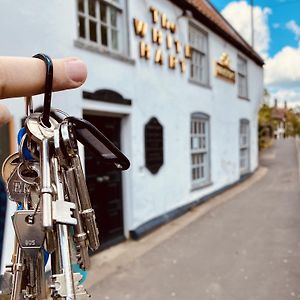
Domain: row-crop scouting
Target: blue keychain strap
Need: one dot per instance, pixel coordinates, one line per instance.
(25, 150)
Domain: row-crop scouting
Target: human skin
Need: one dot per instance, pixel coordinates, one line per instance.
(21, 76)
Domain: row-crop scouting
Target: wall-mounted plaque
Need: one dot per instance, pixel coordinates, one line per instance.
(222, 69)
(154, 148)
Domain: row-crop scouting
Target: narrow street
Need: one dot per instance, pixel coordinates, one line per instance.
(248, 248)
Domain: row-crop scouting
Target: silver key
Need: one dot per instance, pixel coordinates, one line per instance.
(63, 237)
(80, 236)
(9, 165)
(88, 215)
(30, 235)
(43, 135)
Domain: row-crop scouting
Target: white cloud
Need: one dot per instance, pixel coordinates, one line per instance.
(239, 15)
(284, 68)
(292, 96)
(294, 27)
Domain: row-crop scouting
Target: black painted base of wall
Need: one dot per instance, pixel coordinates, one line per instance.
(154, 223)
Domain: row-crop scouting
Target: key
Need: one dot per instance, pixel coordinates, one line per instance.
(43, 135)
(30, 235)
(87, 212)
(69, 144)
(80, 236)
(63, 237)
(9, 165)
(26, 174)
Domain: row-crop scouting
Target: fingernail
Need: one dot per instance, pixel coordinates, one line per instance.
(76, 70)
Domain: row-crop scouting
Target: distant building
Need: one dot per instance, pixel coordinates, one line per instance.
(171, 83)
(279, 118)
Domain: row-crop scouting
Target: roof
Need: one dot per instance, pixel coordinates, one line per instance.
(279, 113)
(206, 13)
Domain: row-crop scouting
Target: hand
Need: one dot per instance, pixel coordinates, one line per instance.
(21, 77)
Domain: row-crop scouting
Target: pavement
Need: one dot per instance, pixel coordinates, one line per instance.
(241, 245)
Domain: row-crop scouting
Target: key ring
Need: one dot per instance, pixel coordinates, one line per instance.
(48, 87)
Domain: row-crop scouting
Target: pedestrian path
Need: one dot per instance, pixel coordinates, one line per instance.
(248, 248)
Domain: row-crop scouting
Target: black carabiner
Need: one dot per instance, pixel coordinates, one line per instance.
(48, 87)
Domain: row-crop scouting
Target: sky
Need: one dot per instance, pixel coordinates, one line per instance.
(276, 39)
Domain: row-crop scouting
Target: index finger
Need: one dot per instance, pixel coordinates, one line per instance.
(26, 76)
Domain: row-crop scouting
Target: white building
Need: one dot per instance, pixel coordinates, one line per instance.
(188, 125)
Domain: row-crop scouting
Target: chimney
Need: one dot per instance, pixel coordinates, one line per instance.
(276, 103)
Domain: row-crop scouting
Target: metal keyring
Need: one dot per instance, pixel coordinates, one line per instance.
(48, 87)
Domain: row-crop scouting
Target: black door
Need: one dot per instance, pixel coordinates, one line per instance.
(105, 186)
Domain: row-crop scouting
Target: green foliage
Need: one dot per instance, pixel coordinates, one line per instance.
(265, 126)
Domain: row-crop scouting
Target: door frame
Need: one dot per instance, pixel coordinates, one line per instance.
(125, 125)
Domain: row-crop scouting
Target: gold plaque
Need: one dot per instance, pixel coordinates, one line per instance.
(222, 68)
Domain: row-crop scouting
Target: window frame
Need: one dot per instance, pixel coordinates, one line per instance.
(121, 28)
(194, 49)
(243, 75)
(244, 146)
(203, 137)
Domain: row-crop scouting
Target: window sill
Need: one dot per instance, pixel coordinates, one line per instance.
(103, 51)
(201, 186)
(244, 98)
(193, 81)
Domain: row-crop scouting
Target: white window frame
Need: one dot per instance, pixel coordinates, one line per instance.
(120, 7)
(244, 145)
(199, 66)
(200, 149)
(242, 71)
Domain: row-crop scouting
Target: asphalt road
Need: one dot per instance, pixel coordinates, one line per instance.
(248, 248)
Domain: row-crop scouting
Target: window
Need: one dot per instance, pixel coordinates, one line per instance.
(242, 78)
(200, 170)
(244, 146)
(100, 23)
(199, 63)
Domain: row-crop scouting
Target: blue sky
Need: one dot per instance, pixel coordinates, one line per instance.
(277, 40)
(282, 12)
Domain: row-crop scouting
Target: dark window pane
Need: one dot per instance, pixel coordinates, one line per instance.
(103, 12)
(113, 17)
(93, 31)
(92, 8)
(104, 40)
(114, 39)
(82, 27)
(81, 5)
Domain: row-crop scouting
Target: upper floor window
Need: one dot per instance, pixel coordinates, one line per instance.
(242, 78)
(200, 150)
(198, 40)
(100, 23)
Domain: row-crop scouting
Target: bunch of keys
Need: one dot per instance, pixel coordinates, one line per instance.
(54, 219)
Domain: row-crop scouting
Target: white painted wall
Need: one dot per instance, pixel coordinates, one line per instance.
(40, 26)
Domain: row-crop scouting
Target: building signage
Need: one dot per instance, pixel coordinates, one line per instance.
(167, 48)
(222, 68)
(154, 150)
